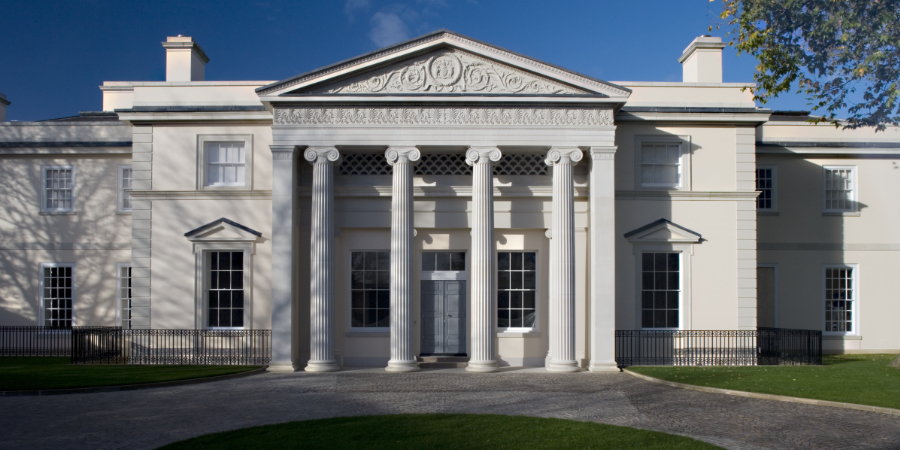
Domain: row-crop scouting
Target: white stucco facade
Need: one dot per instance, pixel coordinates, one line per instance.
(444, 196)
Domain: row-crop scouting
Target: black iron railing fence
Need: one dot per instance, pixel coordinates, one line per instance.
(35, 341)
(764, 346)
(113, 345)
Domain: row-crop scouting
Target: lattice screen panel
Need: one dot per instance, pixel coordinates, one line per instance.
(521, 164)
(364, 164)
(443, 164)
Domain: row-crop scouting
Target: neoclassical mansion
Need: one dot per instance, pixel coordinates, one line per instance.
(444, 196)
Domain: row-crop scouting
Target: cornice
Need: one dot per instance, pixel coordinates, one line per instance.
(202, 195)
(686, 195)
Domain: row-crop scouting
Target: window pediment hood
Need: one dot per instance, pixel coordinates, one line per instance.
(223, 230)
(663, 230)
(439, 65)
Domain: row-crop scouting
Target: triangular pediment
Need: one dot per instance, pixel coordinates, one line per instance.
(439, 63)
(222, 230)
(663, 230)
(447, 71)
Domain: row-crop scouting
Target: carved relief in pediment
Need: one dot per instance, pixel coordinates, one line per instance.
(448, 71)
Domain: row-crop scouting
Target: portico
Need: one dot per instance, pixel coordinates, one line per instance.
(412, 111)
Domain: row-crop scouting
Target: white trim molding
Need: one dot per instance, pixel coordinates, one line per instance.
(203, 140)
(684, 164)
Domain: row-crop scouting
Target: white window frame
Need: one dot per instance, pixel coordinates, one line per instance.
(684, 141)
(684, 252)
(42, 310)
(202, 164)
(349, 272)
(774, 170)
(537, 291)
(44, 170)
(854, 210)
(120, 207)
(856, 292)
(119, 267)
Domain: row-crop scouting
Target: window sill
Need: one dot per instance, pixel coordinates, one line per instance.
(367, 334)
(124, 213)
(58, 213)
(841, 337)
(518, 334)
(767, 213)
(841, 213)
(225, 188)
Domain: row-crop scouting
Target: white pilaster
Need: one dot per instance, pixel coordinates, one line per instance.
(483, 357)
(603, 259)
(562, 260)
(322, 358)
(284, 256)
(403, 358)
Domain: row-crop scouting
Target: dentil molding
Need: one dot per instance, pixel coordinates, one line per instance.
(525, 116)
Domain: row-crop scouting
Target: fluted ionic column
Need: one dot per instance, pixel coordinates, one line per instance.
(562, 260)
(402, 356)
(481, 159)
(321, 288)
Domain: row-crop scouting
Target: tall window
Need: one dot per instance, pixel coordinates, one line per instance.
(840, 189)
(840, 299)
(226, 164)
(226, 289)
(370, 289)
(124, 294)
(660, 290)
(765, 184)
(58, 188)
(516, 289)
(57, 293)
(124, 184)
(660, 165)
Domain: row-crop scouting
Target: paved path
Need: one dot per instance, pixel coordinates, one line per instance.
(153, 417)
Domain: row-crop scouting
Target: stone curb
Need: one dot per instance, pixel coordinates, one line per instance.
(779, 398)
(131, 387)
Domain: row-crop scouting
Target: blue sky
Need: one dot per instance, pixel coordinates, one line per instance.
(54, 54)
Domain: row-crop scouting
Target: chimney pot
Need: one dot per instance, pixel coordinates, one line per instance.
(701, 61)
(185, 60)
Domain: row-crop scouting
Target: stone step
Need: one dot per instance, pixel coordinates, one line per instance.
(442, 362)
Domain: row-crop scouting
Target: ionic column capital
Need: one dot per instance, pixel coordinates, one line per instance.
(563, 155)
(483, 155)
(322, 155)
(603, 152)
(400, 155)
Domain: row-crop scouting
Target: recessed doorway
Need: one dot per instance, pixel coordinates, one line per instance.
(443, 294)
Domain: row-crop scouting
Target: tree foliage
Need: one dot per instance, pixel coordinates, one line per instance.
(842, 54)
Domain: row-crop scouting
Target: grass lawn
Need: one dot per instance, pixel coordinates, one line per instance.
(56, 373)
(439, 431)
(861, 379)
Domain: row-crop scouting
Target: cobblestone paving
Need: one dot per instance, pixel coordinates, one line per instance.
(153, 417)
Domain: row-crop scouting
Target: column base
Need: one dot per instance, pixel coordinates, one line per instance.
(289, 368)
(563, 366)
(604, 367)
(481, 366)
(322, 366)
(402, 366)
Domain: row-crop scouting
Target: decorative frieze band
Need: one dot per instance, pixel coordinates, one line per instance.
(525, 116)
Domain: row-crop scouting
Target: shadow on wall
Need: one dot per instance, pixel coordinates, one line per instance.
(86, 238)
(806, 233)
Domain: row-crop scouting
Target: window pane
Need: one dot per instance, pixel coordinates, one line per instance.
(458, 261)
(370, 295)
(428, 262)
(442, 261)
(503, 261)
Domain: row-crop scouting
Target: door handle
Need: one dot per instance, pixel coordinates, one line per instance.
(448, 315)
